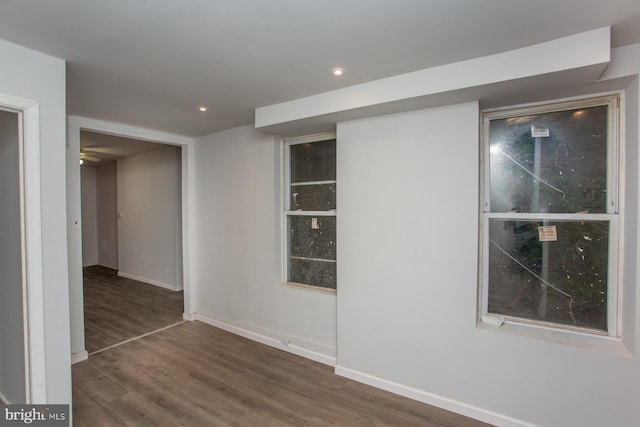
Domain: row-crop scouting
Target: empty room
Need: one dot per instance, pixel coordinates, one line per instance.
(346, 213)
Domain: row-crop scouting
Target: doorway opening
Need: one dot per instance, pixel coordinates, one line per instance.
(13, 374)
(166, 267)
(22, 339)
(131, 238)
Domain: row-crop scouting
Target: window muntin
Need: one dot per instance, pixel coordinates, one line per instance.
(310, 211)
(552, 166)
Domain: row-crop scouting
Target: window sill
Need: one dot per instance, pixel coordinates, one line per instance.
(605, 344)
(309, 288)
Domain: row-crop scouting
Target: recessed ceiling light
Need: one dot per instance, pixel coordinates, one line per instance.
(337, 71)
(203, 108)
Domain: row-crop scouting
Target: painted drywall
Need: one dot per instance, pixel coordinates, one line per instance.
(89, 217)
(29, 74)
(12, 366)
(106, 215)
(585, 55)
(99, 216)
(237, 260)
(149, 217)
(626, 65)
(407, 305)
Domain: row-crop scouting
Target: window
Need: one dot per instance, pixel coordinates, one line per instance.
(550, 215)
(310, 210)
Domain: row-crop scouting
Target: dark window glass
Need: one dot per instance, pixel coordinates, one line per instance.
(316, 197)
(307, 241)
(313, 161)
(312, 250)
(550, 162)
(314, 273)
(562, 281)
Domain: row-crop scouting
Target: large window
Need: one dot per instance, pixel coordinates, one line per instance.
(310, 210)
(550, 215)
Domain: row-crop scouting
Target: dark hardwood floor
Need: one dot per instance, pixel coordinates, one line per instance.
(117, 309)
(193, 374)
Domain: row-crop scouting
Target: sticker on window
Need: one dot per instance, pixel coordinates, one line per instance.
(548, 233)
(538, 132)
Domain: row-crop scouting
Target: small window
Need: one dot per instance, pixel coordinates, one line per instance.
(550, 215)
(310, 210)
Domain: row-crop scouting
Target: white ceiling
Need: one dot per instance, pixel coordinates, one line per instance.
(109, 147)
(151, 63)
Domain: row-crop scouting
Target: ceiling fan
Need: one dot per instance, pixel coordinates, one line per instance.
(86, 156)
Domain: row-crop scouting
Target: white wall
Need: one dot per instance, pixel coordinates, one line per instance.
(407, 274)
(149, 217)
(237, 249)
(99, 216)
(89, 217)
(12, 367)
(33, 75)
(407, 270)
(107, 220)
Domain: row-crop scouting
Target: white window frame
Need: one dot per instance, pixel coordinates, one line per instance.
(613, 214)
(286, 201)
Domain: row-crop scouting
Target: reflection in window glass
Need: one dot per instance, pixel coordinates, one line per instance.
(550, 215)
(562, 281)
(313, 161)
(551, 162)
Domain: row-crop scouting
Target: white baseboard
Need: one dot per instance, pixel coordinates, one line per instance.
(79, 356)
(273, 339)
(150, 281)
(279, 341)
(432, 399)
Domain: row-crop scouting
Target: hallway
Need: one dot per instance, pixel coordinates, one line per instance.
(117, 309)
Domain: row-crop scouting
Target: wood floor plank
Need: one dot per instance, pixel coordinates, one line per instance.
(117, 308)
(194, 374)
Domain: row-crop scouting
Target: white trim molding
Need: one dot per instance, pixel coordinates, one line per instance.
(313, 351)
(189, 316)
(79, 356)
(150, 281)
(31, 234)
(432, 399)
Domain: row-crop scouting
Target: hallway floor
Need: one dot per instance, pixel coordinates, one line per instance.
(117, 309)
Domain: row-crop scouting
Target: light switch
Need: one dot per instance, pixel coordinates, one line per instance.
(314, 223)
